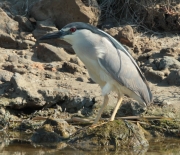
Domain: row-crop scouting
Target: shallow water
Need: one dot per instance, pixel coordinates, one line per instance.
(22, 146)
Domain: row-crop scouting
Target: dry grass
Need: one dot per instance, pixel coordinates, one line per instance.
(143, 13)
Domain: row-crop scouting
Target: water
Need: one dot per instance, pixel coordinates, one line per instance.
(22, 146)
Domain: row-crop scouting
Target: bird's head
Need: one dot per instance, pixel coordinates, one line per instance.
(70, 32)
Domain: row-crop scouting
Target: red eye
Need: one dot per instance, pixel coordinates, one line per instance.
(72, 29)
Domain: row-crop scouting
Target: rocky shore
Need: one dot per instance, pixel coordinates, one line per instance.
(46, 92)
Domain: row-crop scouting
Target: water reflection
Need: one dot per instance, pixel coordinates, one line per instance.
(11, 145)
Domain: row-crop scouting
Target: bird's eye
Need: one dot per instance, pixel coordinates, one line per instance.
(72, 29)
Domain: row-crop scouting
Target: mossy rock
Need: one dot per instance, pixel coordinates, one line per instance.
(163, 127)
(117, 134)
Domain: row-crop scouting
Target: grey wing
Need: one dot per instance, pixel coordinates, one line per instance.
(123, 70)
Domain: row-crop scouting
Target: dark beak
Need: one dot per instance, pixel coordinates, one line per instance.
(55, 35)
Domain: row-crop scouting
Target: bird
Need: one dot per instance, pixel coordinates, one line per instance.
(108, 63)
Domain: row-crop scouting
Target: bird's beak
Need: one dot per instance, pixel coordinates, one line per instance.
(55, 35)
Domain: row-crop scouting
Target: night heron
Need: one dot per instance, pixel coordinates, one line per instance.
(108, 63)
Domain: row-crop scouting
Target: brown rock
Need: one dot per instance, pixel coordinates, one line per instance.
(43, 26)
(24, 23)
(174, 78)
(72, 68)
(8, 30)
(169, 52)
(8, 25)
(19, 70)
(25, 44)
(113, 31)
(51, 53)
(13, 58)
(126, 36)
(53, 131)
(7, 41)
(154, 76)
(137, 49)
(5, 75)
(76, 60)
(63, 12)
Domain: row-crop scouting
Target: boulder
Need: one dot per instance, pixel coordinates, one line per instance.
(7, 40)
(126, 36)
(49, 53)
(9, 29)
(24, 24)
(174, 78)
(53, 131)
(46, 26)
(112, 135)
(154, 76)
(168, 62)
(42, 27)
(25, 92)
(169, 52)
(8, 25)
(5, 75)
(63, 12)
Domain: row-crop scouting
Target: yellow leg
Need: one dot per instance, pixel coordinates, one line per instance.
(106, 99)
(116, 108)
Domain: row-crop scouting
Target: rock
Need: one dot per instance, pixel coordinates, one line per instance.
(39, 87)
(27, 36)
(163, 127)
(146, 56)
(8, 25)
(117, 134)
(126, 36)
(5, 75)
(24, 23)
(75, 103)
(25, 44)
(82, 79)
(137, 49)
(13, 58)
(8, 31)
(53, 131)
(169, 52)
(76, 60)
(57, 11)
(25, 92)
(50, 53)
(19, 69)
(73, 68)
(113, 31)
(154, 76)
(174, 78)
(43, 26)
(8, 66)
(7, 41)
(137, 109)
(45, 134)
(168, 62)
(164, 97)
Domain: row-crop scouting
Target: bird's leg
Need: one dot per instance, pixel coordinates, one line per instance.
(120, 98)
(106, 99)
